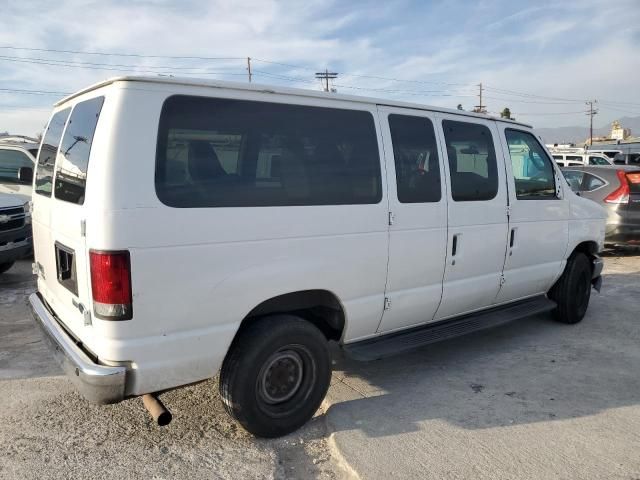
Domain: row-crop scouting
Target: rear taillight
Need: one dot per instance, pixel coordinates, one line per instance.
(621, 194)
(111, 285)
(634, 178)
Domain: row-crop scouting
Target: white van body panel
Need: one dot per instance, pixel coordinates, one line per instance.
(472, 277)
(540, 234)
(417, 243)
(196, 273)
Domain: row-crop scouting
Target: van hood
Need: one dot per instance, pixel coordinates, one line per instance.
(8, 200)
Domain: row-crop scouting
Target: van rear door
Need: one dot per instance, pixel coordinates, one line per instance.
(60, 213)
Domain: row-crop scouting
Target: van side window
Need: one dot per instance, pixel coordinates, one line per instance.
(235, 153)
(531, 167)
(472, 161)
(11, 161)
(415, 153)
(47, 155)
(73, 156)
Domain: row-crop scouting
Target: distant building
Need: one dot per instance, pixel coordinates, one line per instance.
(618, 132)
(617, 135)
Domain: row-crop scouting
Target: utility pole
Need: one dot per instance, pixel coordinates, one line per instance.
(480, 108)
(249, 67)
(591, 113)
(326, 76)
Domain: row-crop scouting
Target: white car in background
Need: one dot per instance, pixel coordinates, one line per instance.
(581, 159)
(17, 164)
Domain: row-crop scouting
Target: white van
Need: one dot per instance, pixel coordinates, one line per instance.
(581, 159)
(184, 227)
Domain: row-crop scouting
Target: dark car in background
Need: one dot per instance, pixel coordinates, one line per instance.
(627, 159)
(617, 188)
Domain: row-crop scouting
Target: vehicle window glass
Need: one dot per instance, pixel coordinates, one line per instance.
(34, 152)
(574, 179)
(47, 155)
(415, 153)
(634, 159)
(11, 161)
(558, 157)
(472, 161)
(591, 182)
(598, 161)
(234, 153)
(575, 158)
(73, 156)
(532, 170)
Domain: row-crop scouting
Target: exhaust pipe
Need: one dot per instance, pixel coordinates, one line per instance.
(156, 408)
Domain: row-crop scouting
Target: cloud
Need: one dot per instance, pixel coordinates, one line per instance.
(569, 49)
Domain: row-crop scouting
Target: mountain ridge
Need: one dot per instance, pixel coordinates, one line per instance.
(578, 135)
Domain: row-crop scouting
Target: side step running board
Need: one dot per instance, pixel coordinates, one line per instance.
(405, 340)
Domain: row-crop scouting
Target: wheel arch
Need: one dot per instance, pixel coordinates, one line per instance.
(321, 308)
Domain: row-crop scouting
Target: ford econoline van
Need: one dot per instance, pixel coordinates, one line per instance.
(184, 228)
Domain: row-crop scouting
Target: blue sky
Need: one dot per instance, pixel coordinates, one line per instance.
(565, 51)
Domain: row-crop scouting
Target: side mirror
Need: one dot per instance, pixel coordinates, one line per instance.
(25, 174)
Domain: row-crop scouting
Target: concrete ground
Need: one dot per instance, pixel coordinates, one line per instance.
(530, 400)
(533, 399)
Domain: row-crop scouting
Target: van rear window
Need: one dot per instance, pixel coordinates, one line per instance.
(47, 156)
(235, 153)
(73, 157)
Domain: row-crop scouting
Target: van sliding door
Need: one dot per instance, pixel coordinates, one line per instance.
(418, 213)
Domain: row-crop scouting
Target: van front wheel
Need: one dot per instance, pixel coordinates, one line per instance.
(275, 375)
(572, 291)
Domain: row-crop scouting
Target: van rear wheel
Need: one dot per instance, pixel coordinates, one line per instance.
(5, 266)
(572, 291)
(275, 375)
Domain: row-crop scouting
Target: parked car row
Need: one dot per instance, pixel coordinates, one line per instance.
(618, 190)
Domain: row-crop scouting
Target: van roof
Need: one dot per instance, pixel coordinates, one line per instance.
(256, 87)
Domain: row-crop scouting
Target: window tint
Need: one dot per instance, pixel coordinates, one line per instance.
(591, 182)
(472, 161)
(73, 157)
(416, 158)
(574, 179)
(575, 158)
(532, 170)
(598, 161)
(47, 155)
(11, 161)
(558, 157)
(233, 153)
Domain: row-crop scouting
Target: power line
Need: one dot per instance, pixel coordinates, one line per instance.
(32, 92)
(115, 68)
(112, 54)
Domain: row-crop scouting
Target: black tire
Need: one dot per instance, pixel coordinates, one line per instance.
(275, 375)
(572, 290)
(5, 266)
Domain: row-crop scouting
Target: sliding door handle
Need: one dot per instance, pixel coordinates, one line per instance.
(454, 245)
(512, 237)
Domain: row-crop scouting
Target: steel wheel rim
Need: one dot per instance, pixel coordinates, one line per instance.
(281, 376)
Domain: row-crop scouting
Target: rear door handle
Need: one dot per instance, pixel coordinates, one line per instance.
(512, 238)
(454, 245)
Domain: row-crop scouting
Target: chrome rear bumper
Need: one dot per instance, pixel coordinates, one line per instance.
(97, 383)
